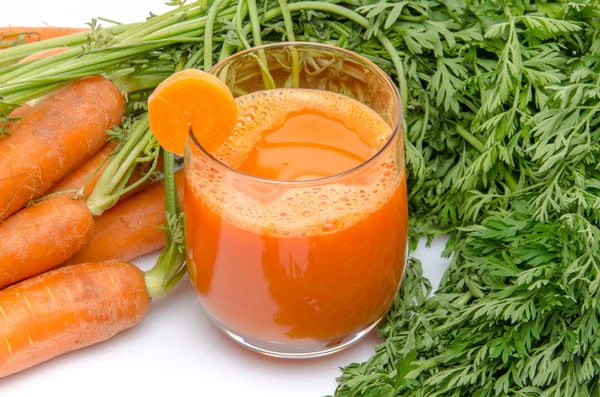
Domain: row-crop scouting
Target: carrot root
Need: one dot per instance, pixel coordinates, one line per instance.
(40, 237)
(56, 136)
(131, 228)
(87, 175)
(67, 309)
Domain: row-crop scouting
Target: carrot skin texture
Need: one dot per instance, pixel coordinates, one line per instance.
(42, 236)
(59, 133)
(21, 111)
(14, 35)
(78, 177)
(67, 309)
(129, 229)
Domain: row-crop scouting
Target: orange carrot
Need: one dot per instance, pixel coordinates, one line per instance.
(15, 35)
(43, 54)
(192, 99)
(20, 112)
(86, 173)
(39, 237)
(131, 228)
(67, 309)
(59, 133)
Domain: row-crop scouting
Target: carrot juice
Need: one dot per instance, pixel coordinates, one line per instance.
(296, 228)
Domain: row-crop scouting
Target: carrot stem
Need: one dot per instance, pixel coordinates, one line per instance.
(27, 81)
(172, 203)
(169, 267)
(210, 21)
(240, 15)
(113, 182)
(130, 84)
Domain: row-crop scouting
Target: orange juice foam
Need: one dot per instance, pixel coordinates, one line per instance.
(354, 134)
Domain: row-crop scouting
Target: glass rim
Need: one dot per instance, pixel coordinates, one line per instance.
(395, 131)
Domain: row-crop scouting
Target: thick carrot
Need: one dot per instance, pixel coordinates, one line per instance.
(15, 35)
(86, 173)
(60, 132)
(131, 228)
(41, 236)
(43, 54)
(67, 309)
(21, 111)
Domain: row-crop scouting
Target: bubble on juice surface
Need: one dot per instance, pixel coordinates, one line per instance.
(304, 210)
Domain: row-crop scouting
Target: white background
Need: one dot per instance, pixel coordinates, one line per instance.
(175, 349)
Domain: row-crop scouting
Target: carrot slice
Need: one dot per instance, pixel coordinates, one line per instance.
(196, 99)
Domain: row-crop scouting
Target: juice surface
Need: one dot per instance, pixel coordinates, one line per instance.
(307, 144)
(288, 263)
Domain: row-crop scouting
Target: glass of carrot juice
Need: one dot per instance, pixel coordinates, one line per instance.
(296, 227)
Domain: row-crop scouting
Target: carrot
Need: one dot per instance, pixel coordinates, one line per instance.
(87, 175)
(57, 135)
(67, 309)
(192, 99)
(39, 237)
(109, 188)
(43, 54)
(20, 112)
(15, 35)
(131, 228)
(19, 263)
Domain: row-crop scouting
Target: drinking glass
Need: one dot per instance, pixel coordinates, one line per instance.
(305, 267)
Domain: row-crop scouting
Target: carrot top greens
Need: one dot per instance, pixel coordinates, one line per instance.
(502, 128)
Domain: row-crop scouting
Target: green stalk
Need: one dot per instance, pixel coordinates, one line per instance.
(170, 265)
(287, 19)
(188, 26)
(112, 183)
(387, 44)
(23, 83)
(22, 69)
(467, 136)
(268, 81)
(116, 55)
(254, 23)
(240, 15)
(144, 30)
(226, 50)
(165, 274)
(346, 13)
(13, 54)
(130, 84)
(360, 20)
(289, 29)
(210, 21)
